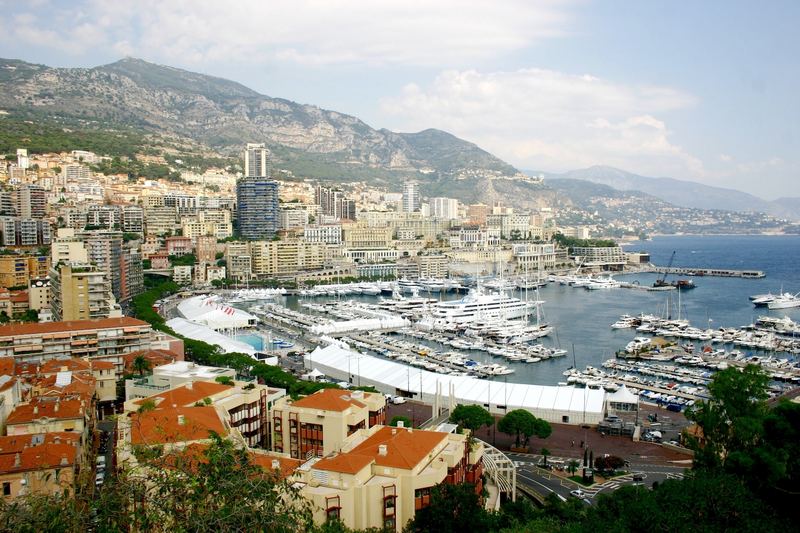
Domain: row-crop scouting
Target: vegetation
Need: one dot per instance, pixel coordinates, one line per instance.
(572, 242)
(404, 419)
(141, 365)
(471, 417)
(520, 422)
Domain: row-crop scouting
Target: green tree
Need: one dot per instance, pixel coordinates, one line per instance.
(453, 508)
(520, 422)
(404, 419)
(545, 454)
(572, 466)
(140, 364)
(471, 417)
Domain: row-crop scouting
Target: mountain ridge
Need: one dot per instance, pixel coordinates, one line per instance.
(683, 193)
(225, 114)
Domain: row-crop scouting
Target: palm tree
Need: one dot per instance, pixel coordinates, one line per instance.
(141, 365)
(572, 466)
(545, 454)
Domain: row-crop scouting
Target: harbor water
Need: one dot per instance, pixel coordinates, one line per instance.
(582, 318)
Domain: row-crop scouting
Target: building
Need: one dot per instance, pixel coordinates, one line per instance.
(107, 339)
(182, 274)
(606, 257)
(256, 161)
(161, 219)
(16, 231)
(79, 291)
(534, 258)
(47, 468)
(444, 208)
(257, 207)
(16, 270)
(67, 248)
(383, 475)
(206, 249)
(285, 257)
(293, 218)
(411, 201)
(48, 415)
(105, 252)
(31, 201)
(132, 219)
(325, 234)
(319, 423)
(39, 294)
(178, 246)
(131, 274)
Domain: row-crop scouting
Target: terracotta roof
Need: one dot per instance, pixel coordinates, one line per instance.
(7, 384)
(103, 365)
(404, 449)
(164, 425)
(329, 400)
(20, 296)
(186, 395)
(38, 458)
(6, 366)
(12, 330)
(26, 368)
(17, 443)
(36, 409)
(264, 460)
(154, 357)
(72, 364)
(346, 463)
(194, 453)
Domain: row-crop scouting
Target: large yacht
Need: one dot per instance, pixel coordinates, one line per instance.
(479, 305)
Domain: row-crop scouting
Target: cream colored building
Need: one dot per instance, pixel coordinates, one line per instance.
(79, 291)
(318, 424)
(285, 257)
(381, 476)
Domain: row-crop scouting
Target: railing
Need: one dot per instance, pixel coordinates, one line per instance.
(500, 469)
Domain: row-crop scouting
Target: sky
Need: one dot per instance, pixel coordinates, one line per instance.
(707, 91)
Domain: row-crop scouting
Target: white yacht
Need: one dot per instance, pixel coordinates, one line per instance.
(785, 301)
(479, 305)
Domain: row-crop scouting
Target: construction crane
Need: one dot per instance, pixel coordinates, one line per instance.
(662, 281)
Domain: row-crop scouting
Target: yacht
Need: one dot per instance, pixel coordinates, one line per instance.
(479, 305)
(602, 283)
(785, 301)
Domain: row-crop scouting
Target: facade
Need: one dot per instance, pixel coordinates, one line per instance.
(534, 258)
(16, 270)
(105, 252)
(256, 161)
(607, 257)
(206, 249)
(31, 201)
(383, 475)
(131, 274)
(108, 339)
(78, 291)
(445, 208)
(17, 231)
(326, 234)
(319, 423)
(257, 207)
(411, 201)
(285, 257)
(46, 468)
(178, 245)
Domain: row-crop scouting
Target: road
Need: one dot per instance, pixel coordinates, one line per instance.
(545, 481)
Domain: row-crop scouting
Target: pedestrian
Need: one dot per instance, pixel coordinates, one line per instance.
(573, 444)
(581, 444)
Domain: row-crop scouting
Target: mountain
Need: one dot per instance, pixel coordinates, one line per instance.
(684, 193)
(224, 115)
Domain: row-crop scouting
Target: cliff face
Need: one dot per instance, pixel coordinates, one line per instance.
(224, 115)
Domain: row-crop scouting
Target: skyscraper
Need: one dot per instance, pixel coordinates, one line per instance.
(257, 196)
(411, 202)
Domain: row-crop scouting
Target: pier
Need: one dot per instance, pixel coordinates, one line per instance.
(713, 272)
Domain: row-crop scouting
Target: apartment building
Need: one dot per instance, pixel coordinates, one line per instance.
(319, 423)
(382, 475)
(285, 257)
(80, 291)
(533, 258)
(38, 466)
(206, 249)
(16, 270)
(325, 234)
(108, 339)
(179, 245)
(17, 231)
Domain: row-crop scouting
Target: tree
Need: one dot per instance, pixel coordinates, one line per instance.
(572, 466)
(140, 364)
(453, 508)
(471, 417)
(731, 423)
(521, 422)
(608, 463)
(404, 419)
(545, 454)
(224, 380)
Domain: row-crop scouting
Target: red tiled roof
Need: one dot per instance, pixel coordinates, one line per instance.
(194, 453)
(329, 400)
(164, 425)
(6, 366)
(404, 449)
(17, 443)
(154, 357)
(59, 410)
(73, 364)
(11, 330)
(186, 395)
(39, 458)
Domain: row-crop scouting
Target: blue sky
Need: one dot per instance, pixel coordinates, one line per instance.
(701, 90)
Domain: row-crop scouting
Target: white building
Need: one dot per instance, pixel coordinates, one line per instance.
(411, 200)
(444, 208)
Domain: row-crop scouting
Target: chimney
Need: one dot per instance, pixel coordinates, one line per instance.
(17, 460)
(188, 385)
(181, 420)
(382, 450)
(55, 409)
(64, 461)
(36, 409)
(401, 424)
(394, 431)
(276, 465)
(57, 439)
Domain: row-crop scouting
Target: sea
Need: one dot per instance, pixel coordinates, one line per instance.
(582, 318)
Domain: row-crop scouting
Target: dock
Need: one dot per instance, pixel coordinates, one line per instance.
(712, 272)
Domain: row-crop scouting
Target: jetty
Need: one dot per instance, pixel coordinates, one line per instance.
(713, 272)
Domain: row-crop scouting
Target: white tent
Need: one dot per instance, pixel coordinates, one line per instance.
(622, 400)
(203, 333)
(555, 404)
(313, 375)
(211, 311)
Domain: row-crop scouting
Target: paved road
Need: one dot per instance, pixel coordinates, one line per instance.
(546, 482)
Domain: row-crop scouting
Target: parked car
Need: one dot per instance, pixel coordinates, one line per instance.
(99, 478)
(638, 477)
(397, 400)
(578, 493)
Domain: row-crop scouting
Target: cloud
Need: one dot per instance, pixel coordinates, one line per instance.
(309, 32)
(544, 119)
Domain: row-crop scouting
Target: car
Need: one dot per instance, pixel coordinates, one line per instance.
(397, 400)
(101, 460)
(578, 493)
(638, 477)
(99, 478)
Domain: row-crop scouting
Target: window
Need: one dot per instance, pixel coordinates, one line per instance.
(6, 488)
(565, 419)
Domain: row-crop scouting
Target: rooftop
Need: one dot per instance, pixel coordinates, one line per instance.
(38, 458)
(186, 395)
(17, 443)
(38, 409)
(330, 400)
(175, 424)
(12, 330)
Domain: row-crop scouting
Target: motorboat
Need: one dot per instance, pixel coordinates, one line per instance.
(785, 301)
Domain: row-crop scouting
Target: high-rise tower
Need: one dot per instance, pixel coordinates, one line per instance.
(257, 196)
